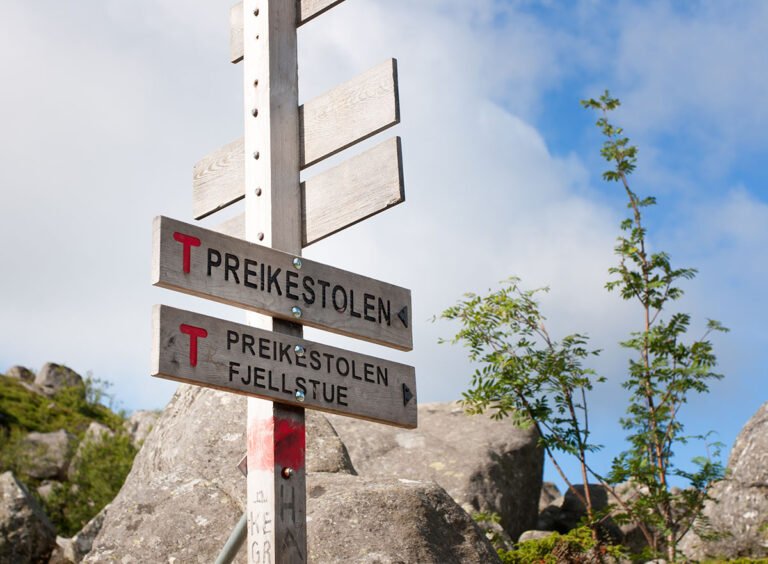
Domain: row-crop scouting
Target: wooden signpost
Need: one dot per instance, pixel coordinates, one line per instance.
(254, 261)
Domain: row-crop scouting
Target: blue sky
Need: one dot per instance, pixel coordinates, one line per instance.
(105, 110)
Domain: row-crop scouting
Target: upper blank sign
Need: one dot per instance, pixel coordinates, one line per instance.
(204, 263)
(358, 188)
(351, 112)
(308, 10)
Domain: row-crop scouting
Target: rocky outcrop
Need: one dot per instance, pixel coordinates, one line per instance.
(47, 455)
(484, 464)
(367, 520)
(139, 424)
(738, 514)
(184, 496)
(549, 493)
(26, 535)
(72, 551)
(53, 377)
(326, 452)
(21, 373)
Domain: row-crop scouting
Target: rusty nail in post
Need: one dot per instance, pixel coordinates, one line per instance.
(287, 472)
(256, 12)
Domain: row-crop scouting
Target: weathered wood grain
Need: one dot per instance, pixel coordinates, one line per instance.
(342, 196)
(351, 112)
(273, 218)
(250, 361)
(215, 177)
(347, 114)
(308, 10)
(254, 277)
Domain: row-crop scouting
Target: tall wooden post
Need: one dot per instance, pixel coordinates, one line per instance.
(285, 215)
(276, 503)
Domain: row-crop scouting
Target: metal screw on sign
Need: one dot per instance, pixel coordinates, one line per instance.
(255, 112)
(299, 395)
(297, 263)
(256, 155)
(287, 473)
(296, 311)
(258, 191)
(261, 236)
(299, 350)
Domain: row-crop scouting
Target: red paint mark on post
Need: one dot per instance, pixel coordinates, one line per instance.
(188, 241)
(194, 333)
(279, 442)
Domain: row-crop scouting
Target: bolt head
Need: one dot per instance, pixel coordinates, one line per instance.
(287, 472)
(296, 311)
(299, 396)
(255, 112)
(299, 350)
(297, 263)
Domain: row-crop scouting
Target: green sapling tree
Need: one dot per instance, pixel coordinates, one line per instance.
(665, 369)
(527, 375)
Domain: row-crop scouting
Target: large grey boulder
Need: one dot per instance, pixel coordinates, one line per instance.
(47, 455)
(484, 464)
(388, 521)
(53, 377)
(26, 534)
(739, 512)
(184, 494)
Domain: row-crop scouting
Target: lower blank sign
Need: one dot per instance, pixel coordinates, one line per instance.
(205, 351)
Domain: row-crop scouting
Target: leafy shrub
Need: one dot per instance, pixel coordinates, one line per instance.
(100, 470)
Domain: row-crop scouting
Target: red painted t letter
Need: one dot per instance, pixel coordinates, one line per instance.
(188, 241)
(194, 333)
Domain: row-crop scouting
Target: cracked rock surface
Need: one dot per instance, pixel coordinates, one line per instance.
(739, 510)
(485, 465)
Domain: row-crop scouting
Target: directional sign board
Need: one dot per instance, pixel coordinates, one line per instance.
(202, 350)
(207, 264)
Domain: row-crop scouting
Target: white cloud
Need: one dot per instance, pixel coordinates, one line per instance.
(106, 113)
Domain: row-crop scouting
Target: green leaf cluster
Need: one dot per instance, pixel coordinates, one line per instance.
(524, 373)
(99, 474)
(578, 546)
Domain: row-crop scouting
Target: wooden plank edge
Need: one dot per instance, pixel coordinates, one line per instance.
(235, 226)
(394, 121)
(390, 203)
